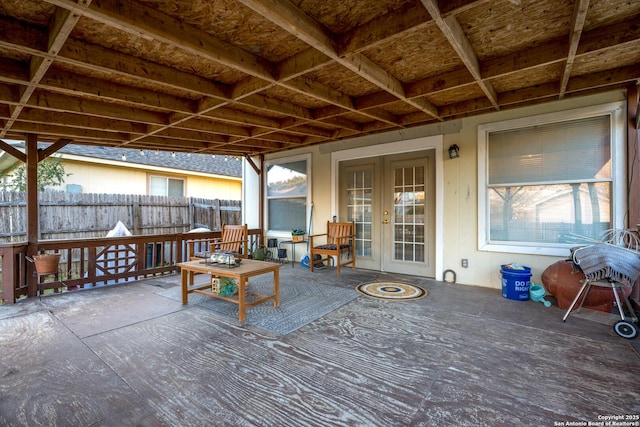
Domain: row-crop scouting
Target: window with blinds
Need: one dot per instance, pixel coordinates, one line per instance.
(164, 186)
(287, 194)
(549, 184)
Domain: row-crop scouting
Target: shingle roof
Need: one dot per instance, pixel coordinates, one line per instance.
(220, 165)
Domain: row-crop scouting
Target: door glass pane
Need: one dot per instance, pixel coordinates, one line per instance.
(409, 208)
(360, 209)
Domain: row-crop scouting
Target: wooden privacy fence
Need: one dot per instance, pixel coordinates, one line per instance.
(68, 215)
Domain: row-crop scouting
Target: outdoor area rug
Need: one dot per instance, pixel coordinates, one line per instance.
(300, 303)
(393, 291)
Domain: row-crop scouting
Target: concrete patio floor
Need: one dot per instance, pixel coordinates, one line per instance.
(463, 356)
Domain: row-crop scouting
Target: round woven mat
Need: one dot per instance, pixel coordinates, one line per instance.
(393, 291)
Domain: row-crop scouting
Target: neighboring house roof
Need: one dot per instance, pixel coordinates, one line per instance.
(218, 165)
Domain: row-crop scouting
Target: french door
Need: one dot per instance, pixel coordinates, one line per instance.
(391, 201)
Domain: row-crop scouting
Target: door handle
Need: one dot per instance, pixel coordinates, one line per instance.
(386, 221)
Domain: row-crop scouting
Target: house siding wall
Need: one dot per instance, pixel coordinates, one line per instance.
(113, 179)
(460, 194)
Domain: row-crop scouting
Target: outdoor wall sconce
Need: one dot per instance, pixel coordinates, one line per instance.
(454, 151)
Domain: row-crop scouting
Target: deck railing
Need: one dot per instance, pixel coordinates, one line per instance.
(94, 262)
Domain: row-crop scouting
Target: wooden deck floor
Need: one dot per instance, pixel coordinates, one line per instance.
(463, 356)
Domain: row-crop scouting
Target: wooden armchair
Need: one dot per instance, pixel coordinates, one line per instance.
(338, 241)
(235, 238)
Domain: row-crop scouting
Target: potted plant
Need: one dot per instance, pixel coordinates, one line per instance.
(45, 263)
(297, 234)
(227, 287)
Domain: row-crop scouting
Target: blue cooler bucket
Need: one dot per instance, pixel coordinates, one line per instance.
(515, 283)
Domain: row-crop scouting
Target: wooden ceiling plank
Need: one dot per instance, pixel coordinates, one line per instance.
(613, 77)
(454, 7)
(214, 127)
(9, 94)
(187, 135)
(619, 34)
(279, 106)
(56, 102)
(332, 111)
(241, 118)
(554, 51)
(269, 135)
(80, 54)
(383, 29)
(302, 63)
(149, 23)
(13, 72)
(164, 140)
(323, 92)
(74, 84)
(59, 29)
(580, 9)
(68, 132)
(249, 86)
(292, 19)
(82, 121)
(295, 21)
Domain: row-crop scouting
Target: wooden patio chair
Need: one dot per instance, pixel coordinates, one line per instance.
(235, 238)
(338, 242)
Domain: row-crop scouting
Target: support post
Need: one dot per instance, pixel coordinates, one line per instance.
(33, 222)
(633, 158)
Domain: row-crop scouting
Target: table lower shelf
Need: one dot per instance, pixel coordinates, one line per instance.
(255, 298)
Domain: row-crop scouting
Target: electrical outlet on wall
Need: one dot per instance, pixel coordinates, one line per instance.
(465, 263)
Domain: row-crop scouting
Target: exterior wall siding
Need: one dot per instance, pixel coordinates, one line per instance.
(459, 190)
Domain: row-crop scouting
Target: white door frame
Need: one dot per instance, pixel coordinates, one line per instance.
(429, 142)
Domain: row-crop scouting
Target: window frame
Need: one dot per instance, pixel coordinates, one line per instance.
(616, 113)
(283, 160)
(167, 178)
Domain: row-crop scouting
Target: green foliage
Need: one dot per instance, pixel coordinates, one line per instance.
(50, 173)
(228, 287)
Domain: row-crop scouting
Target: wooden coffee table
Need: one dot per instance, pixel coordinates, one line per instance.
(247, 268)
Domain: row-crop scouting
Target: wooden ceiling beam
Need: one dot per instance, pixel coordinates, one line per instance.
(164, 141)
(151, 24)
(77, 55)
(82, 121)
(53, 148)
(295, 21)
(303, 63)
(81, 54)
(451, 29)
(63, 103)
(60, 27)
(13, 151)
(580, 9)
(190, 135)
(61, 131)
(304, 86)
(69, 83)
(241, 118)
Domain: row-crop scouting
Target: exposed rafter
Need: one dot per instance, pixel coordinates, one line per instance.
(251, 77)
